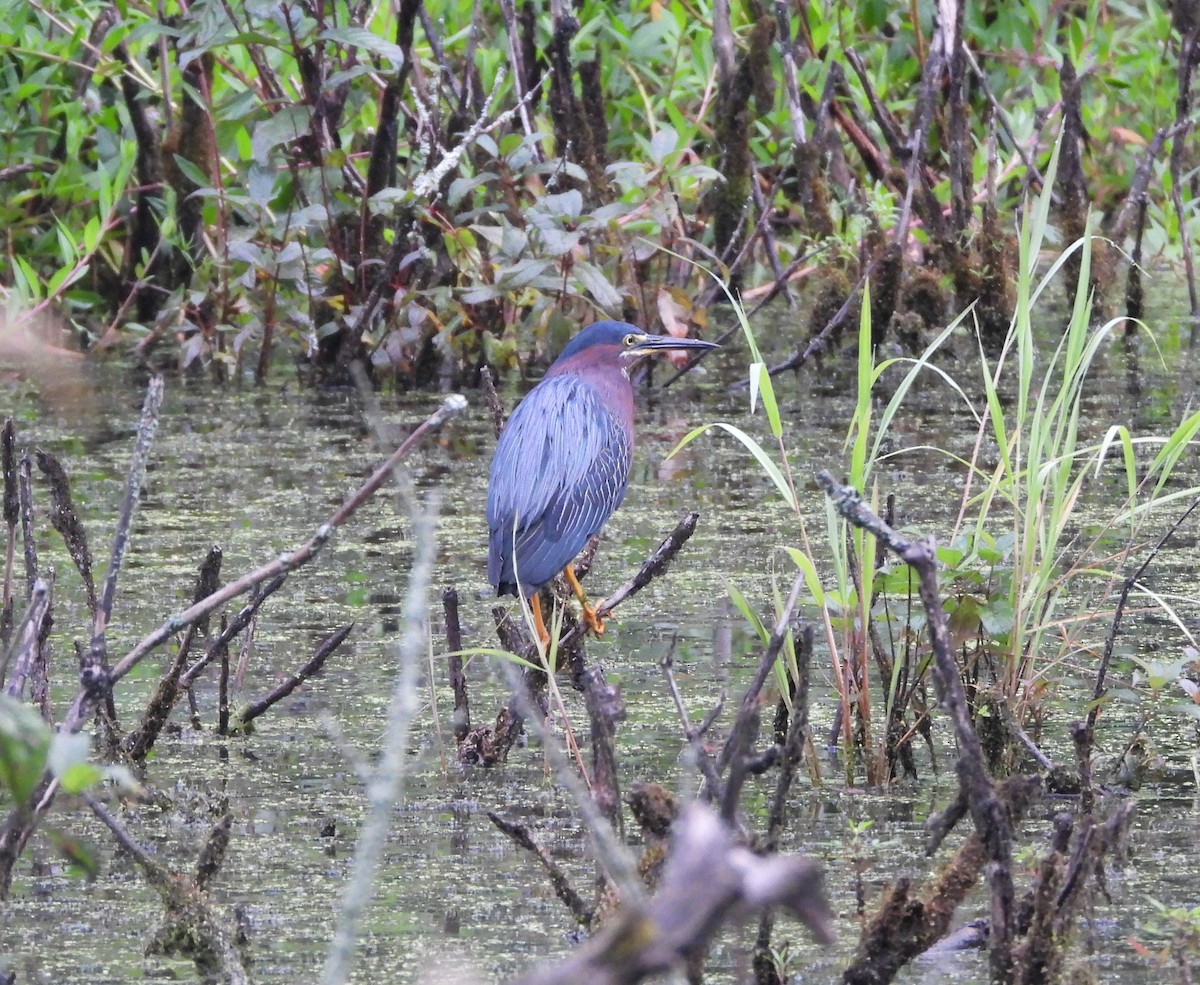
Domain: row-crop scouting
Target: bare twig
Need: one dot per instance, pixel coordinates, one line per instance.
(611, 853)
(818, 342)
(1189, 55)
(704, 762)
(495, 404)
(96, 670)
(281, 691)
(21, 656)
(744, 733)
(563, 889)
(654, 566)
(387, 781)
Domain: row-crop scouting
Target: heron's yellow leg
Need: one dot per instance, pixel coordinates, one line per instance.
(539, 624)
(590, 619)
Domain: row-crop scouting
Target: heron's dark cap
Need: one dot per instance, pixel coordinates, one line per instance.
(629, 337)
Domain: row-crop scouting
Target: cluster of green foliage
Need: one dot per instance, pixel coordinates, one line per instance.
(357, 179)
(1031, 568)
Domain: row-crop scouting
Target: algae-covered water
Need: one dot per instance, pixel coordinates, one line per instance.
(257, 471)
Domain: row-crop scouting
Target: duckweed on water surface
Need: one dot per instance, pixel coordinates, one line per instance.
(257, 472)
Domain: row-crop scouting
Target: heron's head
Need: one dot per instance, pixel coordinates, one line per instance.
(625, 342)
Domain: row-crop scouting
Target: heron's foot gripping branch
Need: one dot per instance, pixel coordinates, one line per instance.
(591, 619)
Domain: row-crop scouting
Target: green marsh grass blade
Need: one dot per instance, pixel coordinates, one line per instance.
(754, 448)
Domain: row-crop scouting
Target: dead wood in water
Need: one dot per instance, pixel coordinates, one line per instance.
(192, 926)
(140, 740)
(992, 821)
(96, 681)
(637, 935)
(1028, 937)
(242, 719)
(905, 923)
(709, 880)
(65, 519)
(454, 665)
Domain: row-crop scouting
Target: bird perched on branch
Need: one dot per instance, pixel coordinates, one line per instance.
(562, 463)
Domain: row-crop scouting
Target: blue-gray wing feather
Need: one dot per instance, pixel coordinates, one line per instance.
(560, 470)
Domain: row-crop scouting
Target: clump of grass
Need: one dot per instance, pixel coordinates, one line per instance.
(1016, 551)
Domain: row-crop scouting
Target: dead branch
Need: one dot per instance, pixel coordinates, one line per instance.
(454, 665)
(245, 716)
(495, 404)
(140, 740)
(21, 656)
(991, 819)
(708, 881)
(191, 927)
(905, 924)
(65, 519)
(563, 889)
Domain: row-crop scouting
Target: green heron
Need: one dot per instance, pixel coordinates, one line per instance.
(562, 464)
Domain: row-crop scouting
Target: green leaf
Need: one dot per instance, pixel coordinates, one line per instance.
(490, 652)
(812, 580)
(358, 37)
(663, 144)
(286, 125)
(67, 749)
(597, 285)
(24, 743)
(748, 613)
(81, 777)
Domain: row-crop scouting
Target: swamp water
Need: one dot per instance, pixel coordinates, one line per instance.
(256, 472)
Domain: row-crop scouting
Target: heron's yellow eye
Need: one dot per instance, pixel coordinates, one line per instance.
(631, 339)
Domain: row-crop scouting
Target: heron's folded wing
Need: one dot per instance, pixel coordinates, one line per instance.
(560, 471)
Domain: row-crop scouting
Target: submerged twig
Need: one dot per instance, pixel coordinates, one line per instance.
(191, 926)
(563, 889)
(281, 691)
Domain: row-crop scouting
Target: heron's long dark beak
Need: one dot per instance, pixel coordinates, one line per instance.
(667, 343)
